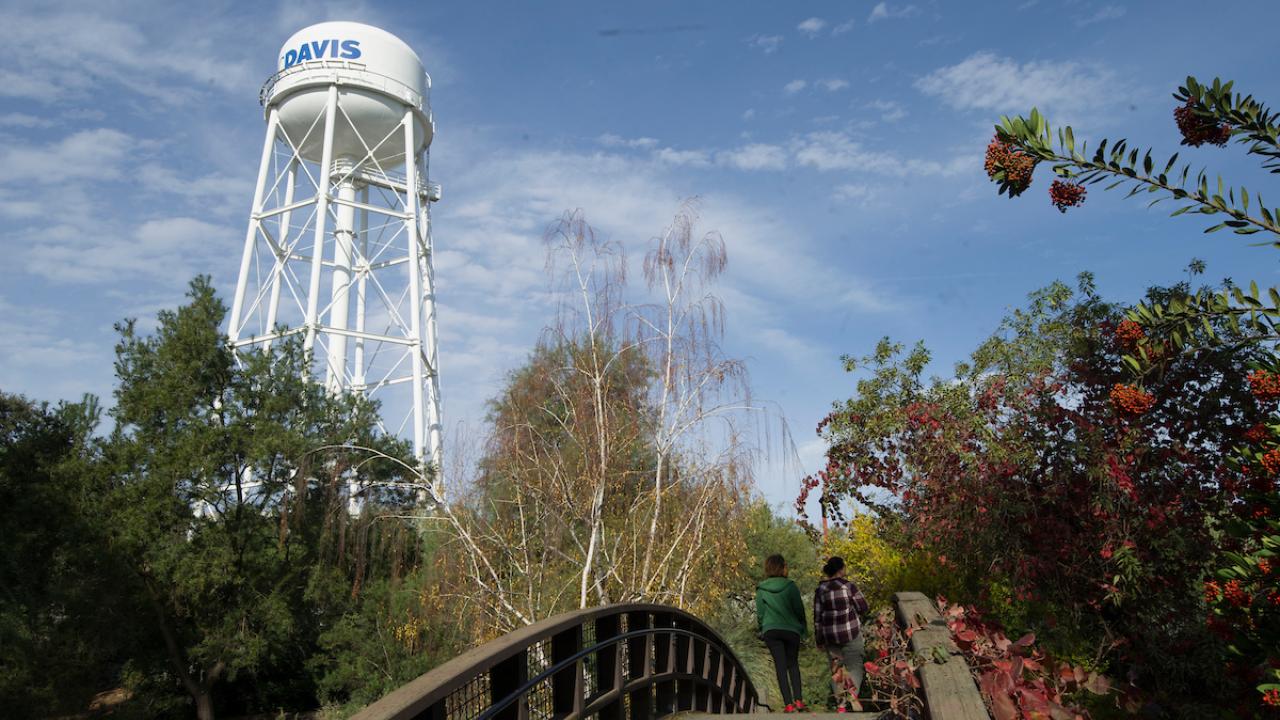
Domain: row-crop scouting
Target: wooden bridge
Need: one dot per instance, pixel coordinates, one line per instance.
(639, 662)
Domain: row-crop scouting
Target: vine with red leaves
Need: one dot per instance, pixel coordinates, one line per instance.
(1017, 678)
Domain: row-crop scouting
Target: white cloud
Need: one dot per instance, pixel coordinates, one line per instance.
(50, 51)
(833, 84)
(884, 11)
(766, 43)
(218, 193)
(168, 250)
(890, 111)
(748, 113)
(794, 86)
(97, 154)
(1104, 13)
(756, 156)
(42, 350)
(837, 151)
(812, 26)
(23, 120)
(843, 27)
(611, 140)
(852, 192)
(986, 82)
(671, 156)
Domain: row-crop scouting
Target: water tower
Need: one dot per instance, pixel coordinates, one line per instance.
(338, 248)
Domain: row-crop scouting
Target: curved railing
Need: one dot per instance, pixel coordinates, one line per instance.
(617, 662)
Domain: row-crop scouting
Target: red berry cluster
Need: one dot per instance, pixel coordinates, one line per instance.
(1129, 332)
(1212, 591)
(1017, 165)
(1066, 194)
(1197, 130)
(1258, 433)
(1130, 400)
(1271, 697)
(1271, 461)
(1264, 566)
(1236, 594)
(1264, 385)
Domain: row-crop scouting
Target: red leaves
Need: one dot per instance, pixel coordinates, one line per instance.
(1015, 677)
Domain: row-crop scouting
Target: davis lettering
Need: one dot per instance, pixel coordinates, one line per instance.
(320, 49)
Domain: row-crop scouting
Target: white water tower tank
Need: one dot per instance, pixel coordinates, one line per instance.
(377, 76)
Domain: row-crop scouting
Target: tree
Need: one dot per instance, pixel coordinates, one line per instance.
(220, 507)
(1243, 597)
(614, 469)
(1037, 476)
(61, 632)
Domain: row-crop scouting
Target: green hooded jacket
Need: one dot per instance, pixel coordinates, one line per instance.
(778, 607)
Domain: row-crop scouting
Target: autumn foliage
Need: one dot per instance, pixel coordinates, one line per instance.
(1074, 503)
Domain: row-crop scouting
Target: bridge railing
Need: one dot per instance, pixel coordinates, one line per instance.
(617, 662)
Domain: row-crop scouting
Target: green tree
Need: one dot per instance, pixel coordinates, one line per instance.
(221, 507)
(63, 621)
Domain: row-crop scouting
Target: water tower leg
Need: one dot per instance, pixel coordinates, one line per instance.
(340, 301)
(325, 179)
(362, 279)
(251, 237)
(435, 442)
(415, 288)
(283, 231)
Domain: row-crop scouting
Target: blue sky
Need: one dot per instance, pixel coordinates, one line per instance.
(837, 147)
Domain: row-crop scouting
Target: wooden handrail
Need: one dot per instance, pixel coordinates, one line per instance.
(664, 660)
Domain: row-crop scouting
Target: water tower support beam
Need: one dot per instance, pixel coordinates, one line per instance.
(415, 286)
(323, 183)
(251, 237)
(434, 435)
(362, 281)
(340, 301)
(281, 255)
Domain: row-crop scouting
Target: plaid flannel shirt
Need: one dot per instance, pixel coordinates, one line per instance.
(836, 605)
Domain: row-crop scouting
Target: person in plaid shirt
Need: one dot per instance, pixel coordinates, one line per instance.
(836, 628)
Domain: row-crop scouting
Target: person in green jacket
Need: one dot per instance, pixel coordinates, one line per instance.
(780, 619)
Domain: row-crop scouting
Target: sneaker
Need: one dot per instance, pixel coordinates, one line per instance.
(800, 706)
(841, 709)
(789, 709)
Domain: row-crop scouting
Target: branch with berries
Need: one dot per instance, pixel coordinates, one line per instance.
(1211, 115)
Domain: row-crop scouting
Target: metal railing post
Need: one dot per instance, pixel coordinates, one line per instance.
(507, 677)
(566, 685)
(639, 665)
(609, 665)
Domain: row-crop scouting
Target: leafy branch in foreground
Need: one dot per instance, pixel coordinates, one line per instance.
(1210, 114)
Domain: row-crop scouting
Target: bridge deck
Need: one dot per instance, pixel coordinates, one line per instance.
(799, 715)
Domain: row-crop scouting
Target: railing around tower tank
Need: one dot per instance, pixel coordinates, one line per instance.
(617, 662)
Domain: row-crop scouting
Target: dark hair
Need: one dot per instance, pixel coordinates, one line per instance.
(775, 565)
(833, 566)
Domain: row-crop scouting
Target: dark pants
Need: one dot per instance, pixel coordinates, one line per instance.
(784, 645)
